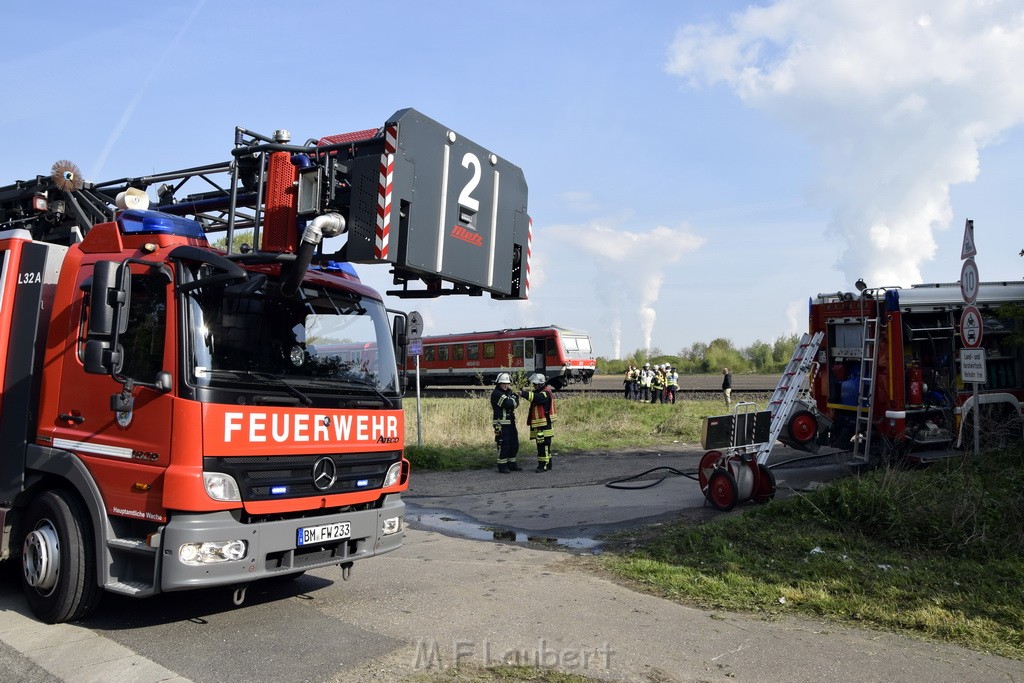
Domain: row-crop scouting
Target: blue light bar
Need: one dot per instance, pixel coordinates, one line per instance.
(136, 222)
(278, 490)
(340, 266)
(363, 482)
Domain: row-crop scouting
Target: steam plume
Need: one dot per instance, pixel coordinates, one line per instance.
(621, 285)
(897, 98)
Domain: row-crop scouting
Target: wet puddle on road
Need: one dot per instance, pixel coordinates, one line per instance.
(454, 524)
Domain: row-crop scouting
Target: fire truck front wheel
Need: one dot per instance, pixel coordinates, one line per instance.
(57, 559)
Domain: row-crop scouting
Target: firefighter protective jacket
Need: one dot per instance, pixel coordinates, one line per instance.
(542, 408)
(503, 404)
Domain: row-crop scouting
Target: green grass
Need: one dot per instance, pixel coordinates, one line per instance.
(935, 553)
(457, 433)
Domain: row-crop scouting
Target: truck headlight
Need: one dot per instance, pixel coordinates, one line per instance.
(212, 551)
(220, 486)
(392, 525)
(394, 472)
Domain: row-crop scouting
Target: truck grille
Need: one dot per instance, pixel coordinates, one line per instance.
(292, 476)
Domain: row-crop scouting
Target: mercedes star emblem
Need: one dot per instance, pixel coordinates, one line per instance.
(324, 473)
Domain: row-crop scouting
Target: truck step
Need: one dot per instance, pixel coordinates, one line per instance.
(136, 546)
(137, 589)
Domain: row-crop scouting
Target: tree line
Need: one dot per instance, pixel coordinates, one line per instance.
(701, 358)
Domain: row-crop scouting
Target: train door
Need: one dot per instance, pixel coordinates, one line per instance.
(540, 348)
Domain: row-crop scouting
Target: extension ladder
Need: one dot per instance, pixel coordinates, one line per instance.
(791, 387)
(866, 383)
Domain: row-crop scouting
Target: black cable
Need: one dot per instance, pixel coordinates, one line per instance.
(672, 470)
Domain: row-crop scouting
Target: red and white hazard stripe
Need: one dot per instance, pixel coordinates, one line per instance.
(529, 251)
(382, 233)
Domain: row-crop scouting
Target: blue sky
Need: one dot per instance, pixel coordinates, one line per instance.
(696, 169)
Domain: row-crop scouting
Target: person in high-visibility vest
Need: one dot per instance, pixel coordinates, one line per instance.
(645, 382)
(542, 416)
(506, 437)
(673, 385)
(658, 386)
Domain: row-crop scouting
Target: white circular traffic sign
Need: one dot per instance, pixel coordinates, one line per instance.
(415, 329)
(969, 281)
(971, 327)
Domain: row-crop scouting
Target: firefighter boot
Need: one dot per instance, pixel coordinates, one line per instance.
(513, 466)
(503, 469)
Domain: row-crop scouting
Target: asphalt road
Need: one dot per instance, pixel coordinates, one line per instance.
(446, 600)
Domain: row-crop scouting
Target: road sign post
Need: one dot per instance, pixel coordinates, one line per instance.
(414, 335)
(972, 357)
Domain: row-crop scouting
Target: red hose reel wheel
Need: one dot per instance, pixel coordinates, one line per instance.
(706, 468)
(764, 487)
(802, 427)
(722, 490)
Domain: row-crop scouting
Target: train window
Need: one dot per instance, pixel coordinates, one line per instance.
(552, 351)
(458, 351)
(529, 349)
(442, 352)
(576, 344)
(488, 349)
(472, 351)
(517, 348)
(428, 353)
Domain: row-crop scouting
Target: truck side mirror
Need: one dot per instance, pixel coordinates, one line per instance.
(102, 357)
(111, 291)
(398, 335)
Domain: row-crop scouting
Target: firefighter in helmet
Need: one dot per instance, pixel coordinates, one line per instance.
(542, 415)
(503, 406)
(658, 385)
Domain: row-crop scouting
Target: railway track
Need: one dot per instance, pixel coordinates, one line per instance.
(693, 387)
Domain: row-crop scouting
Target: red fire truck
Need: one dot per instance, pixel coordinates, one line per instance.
(889, 381)
(173, 415)
(564, 356)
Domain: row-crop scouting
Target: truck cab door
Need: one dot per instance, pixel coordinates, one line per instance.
(126, 451)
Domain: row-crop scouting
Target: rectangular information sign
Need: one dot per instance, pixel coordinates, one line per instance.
(972, 366)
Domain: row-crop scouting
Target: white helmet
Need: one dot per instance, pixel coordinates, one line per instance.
(503, 378)
(647, 365)
(537, 378)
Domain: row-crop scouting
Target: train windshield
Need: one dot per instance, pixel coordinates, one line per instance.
(312, 347)
(576, 344)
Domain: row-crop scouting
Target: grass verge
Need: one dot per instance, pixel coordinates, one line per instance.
(935, 553)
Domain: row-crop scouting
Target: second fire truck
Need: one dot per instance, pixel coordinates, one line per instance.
(889, 382)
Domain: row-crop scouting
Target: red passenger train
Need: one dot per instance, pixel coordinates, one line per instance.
(564, 356)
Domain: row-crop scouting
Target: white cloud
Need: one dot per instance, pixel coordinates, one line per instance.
(896, 97)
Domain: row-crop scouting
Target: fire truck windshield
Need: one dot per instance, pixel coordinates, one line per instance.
(317, 347)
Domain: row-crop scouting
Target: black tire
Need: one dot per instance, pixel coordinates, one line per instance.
(58, 559)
